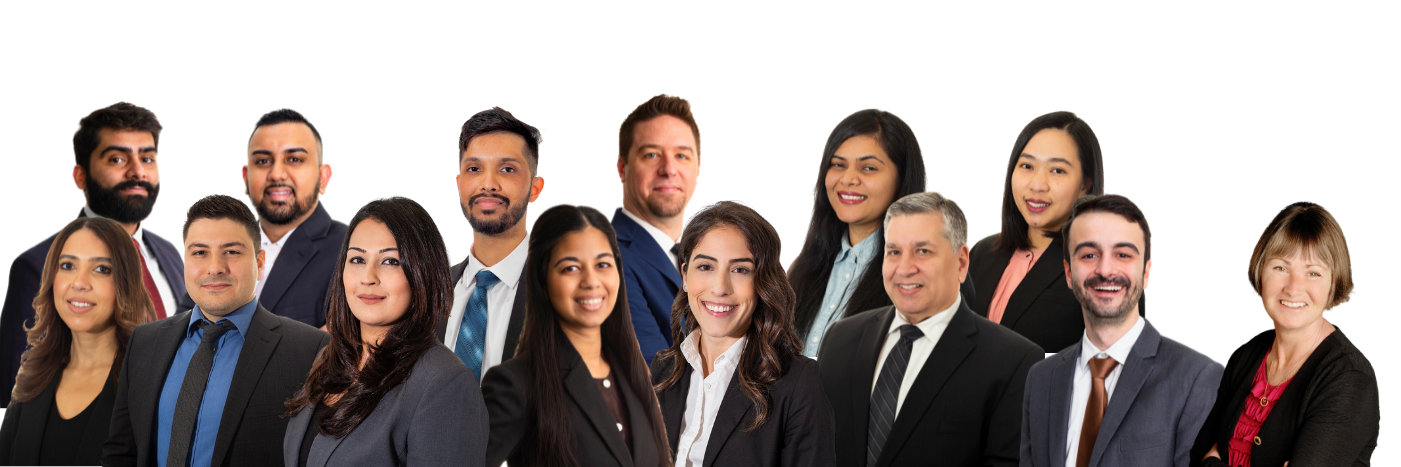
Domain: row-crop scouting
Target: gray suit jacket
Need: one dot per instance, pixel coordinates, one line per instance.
(1163, 395)
(435, 417)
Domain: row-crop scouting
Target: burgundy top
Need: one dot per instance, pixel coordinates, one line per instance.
(608, 388)
(1257, 408)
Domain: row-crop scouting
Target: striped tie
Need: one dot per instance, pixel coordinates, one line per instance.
(471, 337)
(886, 396)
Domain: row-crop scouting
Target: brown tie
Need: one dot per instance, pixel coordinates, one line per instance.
(150, 283)
(1094, 410)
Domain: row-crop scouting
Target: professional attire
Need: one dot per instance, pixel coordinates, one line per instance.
(1327, 415)
(945, 391)
(1157, 395)
(258, 361)
(601, 436)
(651, 273)
(297, 269)
(707, 417)
(162, 262)
(504, 309)
(434, 417)
(35, 434)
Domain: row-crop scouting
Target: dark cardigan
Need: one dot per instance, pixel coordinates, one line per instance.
(1328, 416)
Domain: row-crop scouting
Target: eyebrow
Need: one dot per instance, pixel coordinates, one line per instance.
(95, 258)
(386, 250)
(658, 146)
(504, 159)
(226, 245)
(1089, 244)
(1053, 159)
(577, 260)
(733, 261)
(891, 246)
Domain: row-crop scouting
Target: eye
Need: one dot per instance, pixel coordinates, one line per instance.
(837, 165)
(508, 169)
(650, 155)
(355, 260)
(1024, 165)
(1278, 268)
(389, 261)
(604, 264)
(1125, 255)
(569, 269)
(294, 160)
(741, 270)
(704, 267)
(473, 169)
(148, 160)
(1315, 274)
(892, 252)
(66, 266)
(118, 160)
(263, 161)
(924, 251)
(1058, 170)
(198, 253)
(102, 269)
(1089, 256)
(683, 156)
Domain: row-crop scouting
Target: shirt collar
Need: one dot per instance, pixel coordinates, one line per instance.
(139, 236)
(279, 242)
(508, 269)
(1119, 351)
(939, 321)
(240, 318)
(690, 348)
(663, 240)
(861, 253)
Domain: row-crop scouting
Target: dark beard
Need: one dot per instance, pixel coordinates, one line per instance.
(125, 209)
(1107, 314)
(289, 212)
(508, 219)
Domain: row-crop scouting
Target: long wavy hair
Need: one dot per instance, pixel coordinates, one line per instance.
(424, 260)
(50, 340)
(550, 442)
(813, 267)
(1014, 235)
(772, 341)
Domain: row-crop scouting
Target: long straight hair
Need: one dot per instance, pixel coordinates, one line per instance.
(810, 271)
(550, 442)
(424, 260)
(1014, 234)
(772, 342)
(50, 340)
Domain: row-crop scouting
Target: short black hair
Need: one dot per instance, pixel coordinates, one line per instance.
(495, 120)
(119, 116)
(288, 116)
(217, 207)
(1113, 204)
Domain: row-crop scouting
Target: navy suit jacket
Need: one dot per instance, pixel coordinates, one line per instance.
(652, 282)
(300, 280)
(1161, 400)
(26, 273)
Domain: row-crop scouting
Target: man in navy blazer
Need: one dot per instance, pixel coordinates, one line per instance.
(658, 162)
(115, 154)
(1124, 395)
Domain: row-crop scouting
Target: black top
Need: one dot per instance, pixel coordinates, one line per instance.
(317, 416)
(608, 388)
(61, 436)
(34, 434)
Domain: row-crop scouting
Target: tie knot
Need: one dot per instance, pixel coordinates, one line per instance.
(213, 331)
(910, 332)
(1100, 367)
(485, 279)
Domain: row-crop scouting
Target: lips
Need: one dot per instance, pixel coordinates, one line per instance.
(280, 193)
(666, 189)
(1037, 206)
(1292, 304)
(590, 303)
(216, 287)
(718, 310)
(908, 289)
(370, 299)
(1107, 286)
(488, 202)
(848, 197)
(80, 306)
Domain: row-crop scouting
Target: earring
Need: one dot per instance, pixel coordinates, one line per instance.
(683, 288)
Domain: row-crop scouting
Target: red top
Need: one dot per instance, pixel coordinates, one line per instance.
(1257, 408)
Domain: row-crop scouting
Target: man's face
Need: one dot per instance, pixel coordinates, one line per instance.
(221, 266)
(122, 180)
(494, 183)
(660, 172)
(921, 271)
(1106, 269)
(284, 174)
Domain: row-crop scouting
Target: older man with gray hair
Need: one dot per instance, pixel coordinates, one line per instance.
(952, 379)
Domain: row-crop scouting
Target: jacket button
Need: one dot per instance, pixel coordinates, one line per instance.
(1257, 440)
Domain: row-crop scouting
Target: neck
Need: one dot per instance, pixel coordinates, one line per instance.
(276, 232)
(855, 233)
(92, 350)
(711, 348)
(1039, 240)
(1105, 333)
(671, 226)
(587, 341)
(491, 249)
(916, 318)
(131, 228)
(1295, 345)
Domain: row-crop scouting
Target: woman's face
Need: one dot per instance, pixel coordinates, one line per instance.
(861, 181)
(84, 292)
(719, 278)
(583, 279)
(1047, 179)
(374, 279)
(1295, 290)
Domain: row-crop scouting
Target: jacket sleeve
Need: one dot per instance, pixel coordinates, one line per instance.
(1341, 419)
(1206, 437)
(18, 309)
(7, 432)
(1194, 413)
(450, 423)
(120, 448)
(809, 437)
(1005, 425)
(651, 338)
(508, 408)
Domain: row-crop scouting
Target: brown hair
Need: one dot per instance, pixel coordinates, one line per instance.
(219, 207)
(120, 116)
(50, 340)
(772, 339)
(1307, 228)
(657, 106)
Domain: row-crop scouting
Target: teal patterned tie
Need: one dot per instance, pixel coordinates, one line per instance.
(471, 338)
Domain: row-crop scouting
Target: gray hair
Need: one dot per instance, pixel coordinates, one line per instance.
(955, 225)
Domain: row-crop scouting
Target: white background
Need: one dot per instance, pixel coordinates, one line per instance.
(1211, 117)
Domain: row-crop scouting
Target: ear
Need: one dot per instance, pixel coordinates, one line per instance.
(80, 177)
(245, 180)
(1068, 282)
(325, 177)
(1146, 267)
(622, 169)
(962, 263)
(537, 185)
(262, 256)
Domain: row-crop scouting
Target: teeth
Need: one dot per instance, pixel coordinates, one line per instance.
(1109, 288)
(1292, 304)
(909, 286)
(591, 301)
(718, 308)
(852, 197)
(79, 304)
(1038, 205)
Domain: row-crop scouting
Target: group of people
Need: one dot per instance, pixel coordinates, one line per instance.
(289, 338)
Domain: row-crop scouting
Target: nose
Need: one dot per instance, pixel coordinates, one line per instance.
(669, 166)
(1040, 182)
(1104, 267)
(722, 286)
(278, 171)
(217, 266)
(137, 169)
(369, 276)
(590, 279)
(490, 183)
(1294, 286)
(81, 281)
(905, 266)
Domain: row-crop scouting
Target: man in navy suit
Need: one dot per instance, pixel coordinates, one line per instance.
(1124, 395)
(658, 162)
(115, 152)
(286, 173)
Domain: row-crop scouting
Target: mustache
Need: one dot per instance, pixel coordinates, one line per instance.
(280, 185)
(133, 184)
(1098, 280)
(505, 202)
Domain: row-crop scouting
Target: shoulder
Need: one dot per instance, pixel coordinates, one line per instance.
(985, 245)
(336, 231)
(1043, 368)
(508, 374)
(297, 331)
(801, 378)
(1341, 356)
(1185, 356)
(32, 260)
(157, 239)
(1005, 339)
(852, 326)
(437, 367)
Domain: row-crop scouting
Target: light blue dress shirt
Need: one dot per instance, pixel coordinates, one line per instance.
(216, 390)
(847, 270)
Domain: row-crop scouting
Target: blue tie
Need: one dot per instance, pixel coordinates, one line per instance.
(471, 338)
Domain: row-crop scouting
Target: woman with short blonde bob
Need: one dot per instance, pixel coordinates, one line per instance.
(1301, 393)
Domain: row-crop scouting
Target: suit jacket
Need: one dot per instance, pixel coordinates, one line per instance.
(277, 355)
(513, 328)
(1329, 414)
(798, 432)
(651, 282)
(1042, 308)
(596, 439)
(1163, 395)
(964, 408)
(300, 280)
(26, 274)
(22, 434)
(434, 417)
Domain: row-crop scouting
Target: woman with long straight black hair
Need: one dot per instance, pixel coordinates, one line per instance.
(577, 392)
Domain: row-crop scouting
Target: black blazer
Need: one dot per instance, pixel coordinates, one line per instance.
(513, 328)
(964, 408)
(21, 446)
(798, 431)
(1042, 309)
(298, 284)
(1328, 415)
(277, 355)
(596, 438)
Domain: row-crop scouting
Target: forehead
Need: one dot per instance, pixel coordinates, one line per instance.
(860, 146)
(910, 229)
(495, 145)
(215, 232)
(588, 242)
(723, 242)
(85, 243)
(283, 134)
(372, 233)
(1052, 143)
(1105, 229)
(131, 138)
(666, 131)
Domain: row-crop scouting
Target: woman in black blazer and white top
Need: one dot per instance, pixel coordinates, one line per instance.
(577, 391)
(734, 390)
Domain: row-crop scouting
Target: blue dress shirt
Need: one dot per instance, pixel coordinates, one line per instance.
(847, 270)
(216, 390)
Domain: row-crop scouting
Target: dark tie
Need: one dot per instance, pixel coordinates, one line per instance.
(150, 283)
(676, 251)
(887, 394)
(1094, 410)
(182, 427)
(471, 336)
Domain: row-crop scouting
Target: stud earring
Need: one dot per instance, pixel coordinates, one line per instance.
(683, 288)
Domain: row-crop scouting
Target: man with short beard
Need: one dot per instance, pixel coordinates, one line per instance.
(1125, 395)
(496, 161)
(658, 162)
(285, 175)
(115, 154)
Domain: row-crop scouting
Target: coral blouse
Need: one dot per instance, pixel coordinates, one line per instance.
(1262, 401)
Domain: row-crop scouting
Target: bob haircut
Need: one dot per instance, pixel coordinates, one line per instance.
(1014, 227)
(1307, 228)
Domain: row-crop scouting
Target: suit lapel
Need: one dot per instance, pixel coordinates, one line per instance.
(1058, 408)
(643, 451)
(296, 430)
(645, 247)
(733, 409)
(988, 277)
(673, 404)
(867, 353)
(300, 249)
(517, 319)
(146, 395)
(34, 420)
(1048, 271)
(582, 388)
(946, 357)
(168, 259)
(1142, 361)
(257, 349)
(322, 448)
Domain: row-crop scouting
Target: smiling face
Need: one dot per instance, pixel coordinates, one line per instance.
(1106, 269)
(375, 284)
(221, 266)
(1296, 290)
(922, 271)
(494, 183)
(719, 279)
(122, 178)
(861, 182)
(660, 172)
(284, 174)
(583, 279)
(84, 292)
(1047, 180)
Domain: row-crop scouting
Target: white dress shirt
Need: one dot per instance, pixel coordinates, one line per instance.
(168, 297)
(663, 240)
(1080, 396)
(500, 298)
(270, 251)
(703, 399)
(933, 328)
